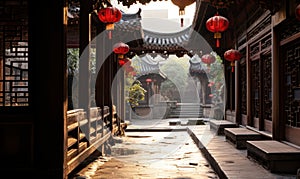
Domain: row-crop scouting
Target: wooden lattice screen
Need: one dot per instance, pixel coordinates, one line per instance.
(267, 86)
(291, 65)
(261, 72)
(255, 86)
(243, 82)
(14, 55)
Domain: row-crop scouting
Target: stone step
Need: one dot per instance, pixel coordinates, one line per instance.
(186, 110)
(238, 136)
(219, 125)
(185, 115)
(275, 156)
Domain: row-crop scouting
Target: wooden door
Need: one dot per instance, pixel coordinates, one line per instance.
(261, 83)
(290, 95)
(266, 114)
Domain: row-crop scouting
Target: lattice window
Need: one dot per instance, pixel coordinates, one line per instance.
(243, 85)
(255, 85)
(292, 86)
(294, 28)
(259, 28)
(14, 55)
(267, 86)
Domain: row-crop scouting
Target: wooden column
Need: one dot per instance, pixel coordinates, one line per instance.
(122, 103)
(278, 125)
(84, 61)
(99, 86)
(48, 74)
(100, 57)
(1, 73)
(248, 71)
(261, 92)
(237, 94)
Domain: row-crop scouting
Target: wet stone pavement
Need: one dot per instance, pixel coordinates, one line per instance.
(151, 155)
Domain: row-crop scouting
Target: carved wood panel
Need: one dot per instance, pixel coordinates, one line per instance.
(261, 80)
(293, 28)
(243, 89)
(267, 86)
(291, 85)
(243, 83)
(255, 87)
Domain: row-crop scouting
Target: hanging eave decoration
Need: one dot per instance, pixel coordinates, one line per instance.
(217, 24)
(109, 16)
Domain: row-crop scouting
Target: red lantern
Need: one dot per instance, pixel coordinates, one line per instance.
(208, 59)
(182, 4)
(148, 80)
(211, 84)
(109, 16)
(297, 12)
(121, 49)
(217, 24)
(232, 55)
(123, 61)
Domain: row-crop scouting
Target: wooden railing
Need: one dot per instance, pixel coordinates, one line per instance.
(86, 133)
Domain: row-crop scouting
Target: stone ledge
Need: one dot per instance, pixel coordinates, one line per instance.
(274, 155)
(219, 125)
(239, 136)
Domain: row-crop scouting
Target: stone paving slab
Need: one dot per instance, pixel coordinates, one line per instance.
(230, 162)
(151, 155)
(174, 155)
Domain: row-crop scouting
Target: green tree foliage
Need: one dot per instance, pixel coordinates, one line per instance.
(176, 70)
(136, 93)
(73, 73)
(216, 73)
(134, 90)
(72, 60)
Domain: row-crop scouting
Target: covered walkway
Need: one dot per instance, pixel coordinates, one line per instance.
(41, 137)
(193, 152)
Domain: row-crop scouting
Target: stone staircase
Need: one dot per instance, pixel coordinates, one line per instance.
(186, 110)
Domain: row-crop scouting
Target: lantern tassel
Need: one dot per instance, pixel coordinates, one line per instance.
(109, 34)
(232, 66)
(218, 43)
(208, 68)
(181, 21)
